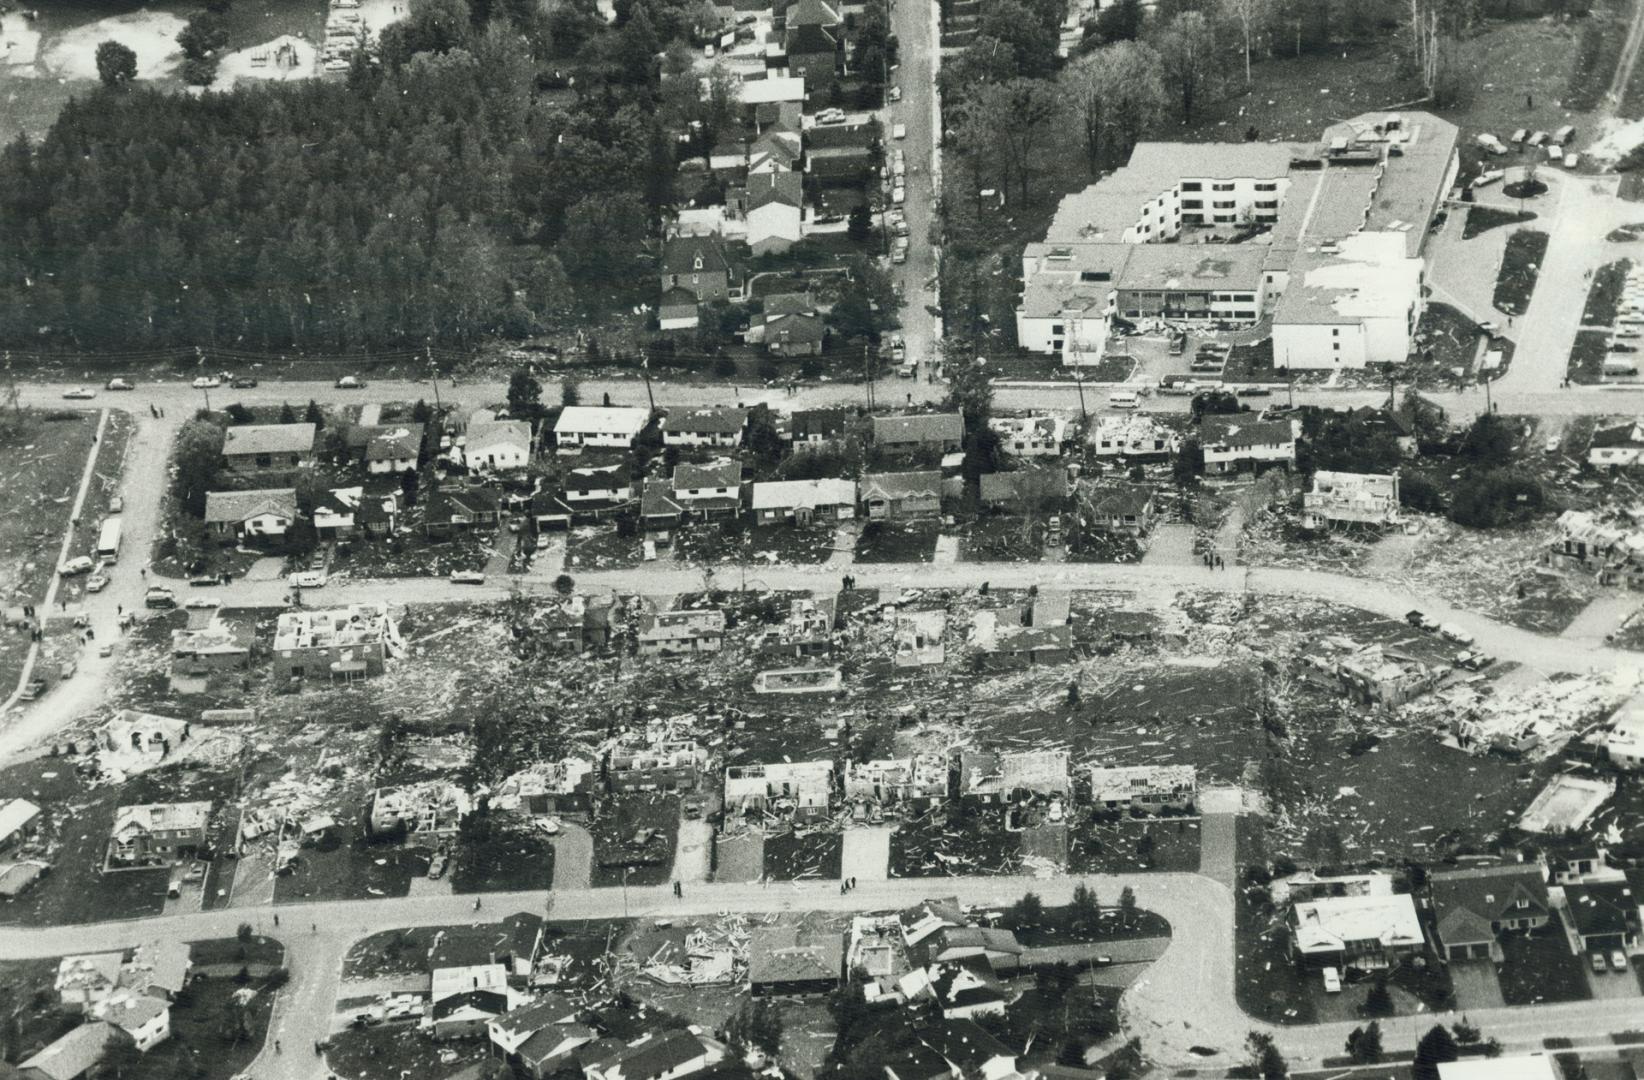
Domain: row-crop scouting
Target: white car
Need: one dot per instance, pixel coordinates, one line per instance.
(899, 131)
(207, 382)
(118, 383)
(80, 393)
(80, 565)
(1332, 981)
(895, 94)
(899, 195)
(96, 583)
(308, 579)
(467, 577)
(202, 602)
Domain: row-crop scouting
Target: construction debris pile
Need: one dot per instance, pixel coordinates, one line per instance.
(713, 955)
(1536, 722)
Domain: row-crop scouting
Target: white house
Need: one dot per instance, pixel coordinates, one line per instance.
(1518, 1067)
(1239, 440)
(601, 484)
(1624, 742)
(394, 449)
(593, 425)
(775, 215)
(1351, 498)
(18, 821)
(1031, 436)
(250, 514)
(146, 1019)
(1619, 447)
(710, 489)
(807, 786)
(498, 445)
(1367, 932)
(803, 500)
(1134, 435)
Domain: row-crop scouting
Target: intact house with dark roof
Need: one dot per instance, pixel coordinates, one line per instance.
(386, 448)
(713, 490)
(969, 1049)
(1473, 906)
(782, 960)
(264, 514)
(940, 431)
(813, 52)
(717, 425)
(1604, 915)
(659, 512)
(455, 508)
(813, 427)
(1127, 509)
(900, 496)
(267, 448)
(1239, 442)
(700, 265)
(790, 325)
(1032, 489)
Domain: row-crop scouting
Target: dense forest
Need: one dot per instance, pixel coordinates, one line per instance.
(490, 170)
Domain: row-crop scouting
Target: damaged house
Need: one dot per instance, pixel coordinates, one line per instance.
(807, 631)
(681, 633)
(1610, 549)
(538, 1037)
(1030, 436)
(433, 808)
(1144, 788)
(1370, 933)
(802, 789)
(659, 765)
(784, 959)
(464, 1000)
(350, 642)
(1371, 674)
(990, 777)
(1343, 498)
(155, 833)
(919, 782)
(1011, 638)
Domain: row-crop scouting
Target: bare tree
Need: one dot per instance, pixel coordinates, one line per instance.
(1252, 16)
(1192, 59)
(1012, 125)
(1115, 95)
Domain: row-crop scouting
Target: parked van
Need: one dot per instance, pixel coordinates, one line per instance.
(1123, 399)
(899, 131)
(1620, 365)
(1564, 134)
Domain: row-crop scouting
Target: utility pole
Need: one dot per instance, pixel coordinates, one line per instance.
(1488, 406)
(1078, 373)
(645, 371)
(868, 371)
(434, 368)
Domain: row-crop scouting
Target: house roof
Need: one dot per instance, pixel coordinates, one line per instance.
(1331, 923)
(548, 1010)
(1603, 907)
(88, 971)
(1628, 434)
(162, 964)
(1467, 901)
(608, 420)
(18, 876)
(823, 422)
(718, 474)
(917, 1062)
(962, 939)
(149, 817)
(1522, 1067)
(1243, 430)
(714, 420)
(902, 485)
(812, 12)
(809, 39)
(487, 1002)
(964, 1043)
(918, 429)
(786, 494)
(656, 500)
(1003, 487)
(462, 502)
(597, 477)
(1122, 500)
(513, 432)
(802, 327)
(654, 1056)
(928, 916)
(778, 954)
(233, 507)
(680, 255)
(678, 299)
(786, 188)
(16, 815)
(556, 1041)
(839, 137)
(131, 1011)
(782, 147)
(393, 442)
(75, 1053)
(269, 439)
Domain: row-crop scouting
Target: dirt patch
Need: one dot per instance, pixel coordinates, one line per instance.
(152, 35)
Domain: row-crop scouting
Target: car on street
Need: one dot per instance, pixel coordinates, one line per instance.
(467, 577)
(80, 393)
(206, 382)
(350, 382)
(1053, 531)
(159, 597)
(1452, 632)
(80, 564)
(202, 602)
(900, 227)
(899, 195)
(307, 579)
(118, 383)
(205, 581)
(436, 866)
(96, 583)
(895, 94)
(899, 131)
(831, 116)
(244, 382)
(1254, 391)
(36, 686)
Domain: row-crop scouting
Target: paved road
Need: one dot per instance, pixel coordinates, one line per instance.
(911, 22)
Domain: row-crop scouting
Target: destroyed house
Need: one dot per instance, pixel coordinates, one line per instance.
(918, 782)
(1032, 436)
(1343, 498)
(1379, 673)
(717, 425)
(1003, 638)
(19, 821)
(897, 496)
(158, 832)
(1612, 550)
(1135, 435)
(267, 448)
(783, 960)
(681, 633)
(807, 631)
(428, 809)
(346, 642)
(1473, 906)
(87, 980)
(991, 777)
(1370, 933)
(1624, 742)
(802, 789)
(548, 787)
(216, 646)
(1604, 915)
(145, 734)
(665, 765)
(341, 512)
(1147, 788)
(996, 948)
(561, 626)
(940, 431)
(665, 1055)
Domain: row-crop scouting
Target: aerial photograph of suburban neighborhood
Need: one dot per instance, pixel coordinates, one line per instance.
(821, 539)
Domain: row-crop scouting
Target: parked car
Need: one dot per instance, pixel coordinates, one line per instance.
(1597, 960)
(159, 597)
(307, 579)
(118, 383)
(96, 583)
(80, 564)
(467, 577)
(36, 686)
(202, 602)
(205, 581)
(80, 393)
(895, 94)
(349, 382)
(116, 504)
(1421, 621)
(207, 382)
(1332, 981)
(244, 382)
(899, 131)
(1053, 531)
(1254, 391)
(436, 866)
(66, 670)
(1452, 632)
(1618, 960)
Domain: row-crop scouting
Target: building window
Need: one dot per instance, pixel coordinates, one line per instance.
(1269, 204)
(1270, 186)
(1228, 205)
(1056, 328)
(1191, 185)
(1225, 219)
(1335, 331)
(1221, 187)
(1193, 204)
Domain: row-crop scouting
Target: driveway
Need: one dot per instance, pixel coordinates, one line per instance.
(573, 857)
(866, 853)
(1476, 984)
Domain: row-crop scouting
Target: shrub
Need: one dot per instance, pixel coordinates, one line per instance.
(1491, 498)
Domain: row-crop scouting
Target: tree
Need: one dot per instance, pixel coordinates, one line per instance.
(1252, 17)
(313, 414)
(1127, 906)
(1189, 463)
(570, 391)
(1120, 22)
(524, 395)
(1115, 95)
(1010, 127)
(565, 585)
(1191, 58)
(1488, 442)
(1028, 911)
(203, 35)
(1491, 498)
(1379, 1002)
(860, 229)
(196, 460)
(288, 415)
(1435, 1048)
(244, 933)
(1265, 1059)
(120, 1059)
(116, 64)
(218, 7)
(759, 1025)
(1364, 1044)
(1086, 915)
(1466, 1032)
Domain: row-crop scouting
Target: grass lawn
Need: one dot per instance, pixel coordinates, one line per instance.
(791, 856)
(1587, 355)
(44, 460)
(616, 822)
(1252, 364)
(601, 547)
(1056, 926)
(1481, 219)
(416, 555)
(348, 868)
(502, 857)
(1539, 969)
(897, 542)
(387, 1052)
(733, 542)
(1000, 538)
(960, 844)
(1603, 36)
(1131, 844)
(1267, 985)
(1520, 265)
(105, 481)
(1604, 296)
